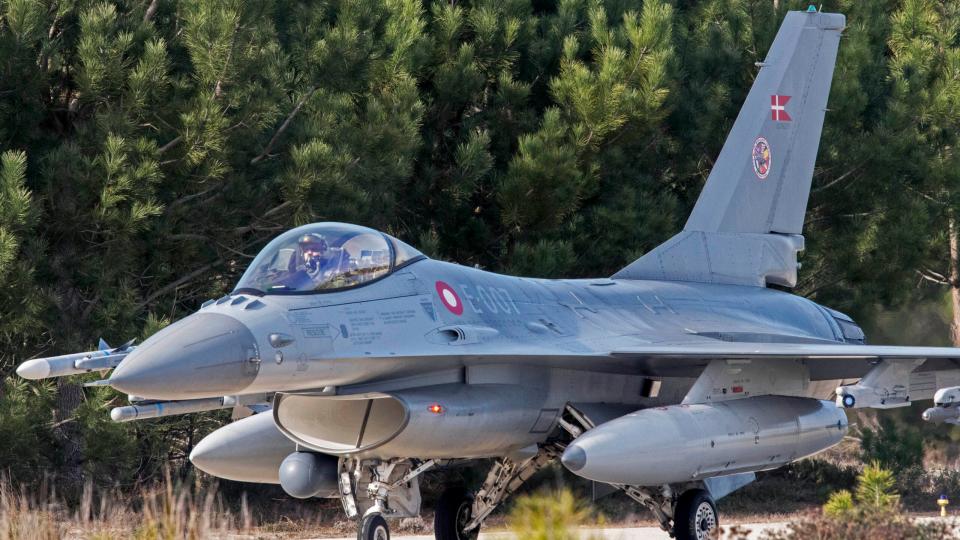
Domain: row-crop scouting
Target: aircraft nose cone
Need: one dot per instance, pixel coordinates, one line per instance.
(574, 458)
(203, 355)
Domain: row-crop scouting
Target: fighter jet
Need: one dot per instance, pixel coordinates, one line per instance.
(357, 363)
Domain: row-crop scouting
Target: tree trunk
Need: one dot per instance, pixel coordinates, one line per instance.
(67, 431)
(954, 279)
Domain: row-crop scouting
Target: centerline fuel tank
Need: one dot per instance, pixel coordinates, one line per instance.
(682, 443)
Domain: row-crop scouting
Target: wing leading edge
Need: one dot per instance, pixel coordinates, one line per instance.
(825, 361)
(732, 350)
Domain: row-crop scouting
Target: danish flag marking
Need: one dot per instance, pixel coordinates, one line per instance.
(778, 108)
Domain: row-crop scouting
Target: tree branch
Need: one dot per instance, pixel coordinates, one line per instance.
(283, 127)
(187, 198)
(933, 279)
(930, 198)
(937, 275)
(840, 178)
(193, 275)
(182, 281)
(170, 144)
(268, 213)
(151, 10)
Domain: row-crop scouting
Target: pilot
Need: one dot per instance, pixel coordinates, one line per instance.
(312, 265)
(312, 254)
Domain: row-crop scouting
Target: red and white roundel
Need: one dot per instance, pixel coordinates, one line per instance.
(450, 298)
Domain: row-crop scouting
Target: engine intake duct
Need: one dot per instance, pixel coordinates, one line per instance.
(444, 421)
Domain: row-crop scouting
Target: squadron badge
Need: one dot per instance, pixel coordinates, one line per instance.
(761, 158)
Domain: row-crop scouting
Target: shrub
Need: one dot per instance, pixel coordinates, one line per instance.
(874, 512)
(894, 448)
(875, 488)
(549, 516)
(839, 504)
(859, 525)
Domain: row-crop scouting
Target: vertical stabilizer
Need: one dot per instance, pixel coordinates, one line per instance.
(745, 227)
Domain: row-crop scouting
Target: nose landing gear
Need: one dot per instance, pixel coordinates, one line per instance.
(373, 527)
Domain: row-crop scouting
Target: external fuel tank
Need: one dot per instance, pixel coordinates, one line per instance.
(682, 443)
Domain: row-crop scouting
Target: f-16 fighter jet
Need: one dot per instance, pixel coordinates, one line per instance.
(366, 364)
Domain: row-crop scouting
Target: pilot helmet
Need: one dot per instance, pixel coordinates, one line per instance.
(312, 243)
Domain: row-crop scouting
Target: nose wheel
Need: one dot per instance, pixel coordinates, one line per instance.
(695, 516)
(373, 527)
(454, 511)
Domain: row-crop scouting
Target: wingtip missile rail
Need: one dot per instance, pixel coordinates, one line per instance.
(76, 363)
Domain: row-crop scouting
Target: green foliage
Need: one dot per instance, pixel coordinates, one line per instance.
(876, 514)
(875, 488)
(149, 149)
(839, 504)
(875, 493)
(896, 447)
(858, 526)
(20, 301)
(28, 449)
(549, 516)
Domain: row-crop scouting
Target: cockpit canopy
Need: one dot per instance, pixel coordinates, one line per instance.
(325, 257)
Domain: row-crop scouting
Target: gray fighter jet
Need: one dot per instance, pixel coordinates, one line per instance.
(353, 363)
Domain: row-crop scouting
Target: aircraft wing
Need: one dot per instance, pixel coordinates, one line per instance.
(826, 360)
(728, 349)
(889, 376)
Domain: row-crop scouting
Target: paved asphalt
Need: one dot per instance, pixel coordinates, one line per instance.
(652, 533)
(638, 533)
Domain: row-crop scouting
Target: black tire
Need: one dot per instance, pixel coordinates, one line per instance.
(454, 510)
(695, 517)
(373, 527)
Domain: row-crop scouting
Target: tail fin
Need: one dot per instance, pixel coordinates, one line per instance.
(745, 227)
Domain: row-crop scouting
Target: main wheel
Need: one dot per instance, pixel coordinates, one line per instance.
(373, 527)
(695, 517)
(454, 510)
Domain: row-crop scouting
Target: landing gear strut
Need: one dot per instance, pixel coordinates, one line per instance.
(373, 490)
(505, 477)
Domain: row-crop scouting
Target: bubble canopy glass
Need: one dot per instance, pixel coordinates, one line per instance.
(325, 257)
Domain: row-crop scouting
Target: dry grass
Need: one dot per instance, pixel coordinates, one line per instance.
(167, 512)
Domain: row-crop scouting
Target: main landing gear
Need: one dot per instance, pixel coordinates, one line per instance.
(695, 516)
(373, 490)
(453, 513)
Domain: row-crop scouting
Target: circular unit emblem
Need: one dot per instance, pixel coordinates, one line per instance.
(762, 158)
(449, 298)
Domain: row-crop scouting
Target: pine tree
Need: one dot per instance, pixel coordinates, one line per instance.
(148, 150)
